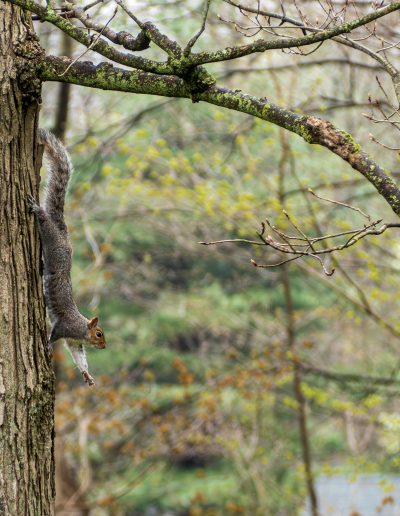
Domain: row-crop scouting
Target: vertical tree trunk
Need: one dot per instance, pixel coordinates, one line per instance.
(287, 159)
(26, 377)
(63, 95)
(298, 393)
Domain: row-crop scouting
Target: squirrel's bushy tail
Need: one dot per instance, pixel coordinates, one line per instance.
(60, 170)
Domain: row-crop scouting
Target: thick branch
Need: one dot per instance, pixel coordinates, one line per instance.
(100, 46)
(342, 39)
(261, 45)
(105, 76)
(161, 40)
(313, 130)
(140, 42)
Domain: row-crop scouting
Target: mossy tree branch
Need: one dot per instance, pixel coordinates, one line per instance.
(140, 42)
(261, 45)
(161, 40)
(179, 62)
(100, 45)
(341, 39)
(312, 129)
(182, 76)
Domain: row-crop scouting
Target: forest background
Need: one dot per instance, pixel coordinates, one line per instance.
(226, 388)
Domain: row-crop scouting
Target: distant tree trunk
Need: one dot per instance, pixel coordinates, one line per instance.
(70, 499)
(63, 96)
(26, 377)
(288, 161)
(298, 393)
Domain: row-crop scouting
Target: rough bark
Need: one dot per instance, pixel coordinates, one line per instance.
(26, 377)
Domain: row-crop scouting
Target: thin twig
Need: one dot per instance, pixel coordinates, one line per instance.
(95, 40)
(354, 208)
(200, 31)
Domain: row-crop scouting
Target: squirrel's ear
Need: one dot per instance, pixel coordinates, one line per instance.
(93, 323)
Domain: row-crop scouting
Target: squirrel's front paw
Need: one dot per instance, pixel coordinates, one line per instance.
(88, 379)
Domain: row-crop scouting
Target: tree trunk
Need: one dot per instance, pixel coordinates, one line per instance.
(64, 90)
(298, 394)
(26, 377)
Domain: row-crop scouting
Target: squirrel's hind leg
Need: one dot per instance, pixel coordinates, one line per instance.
(56, 333)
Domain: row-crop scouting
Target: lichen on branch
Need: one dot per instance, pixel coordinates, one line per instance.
(261, 45)
(312, 129)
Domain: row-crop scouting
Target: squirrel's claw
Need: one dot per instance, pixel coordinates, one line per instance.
(88, 379)
(31, 201)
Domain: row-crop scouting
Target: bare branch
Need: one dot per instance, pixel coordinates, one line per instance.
(349, 377)
(268, 14)
(342, 39)
(298, 65)
(262, 45)
(344, 293)
(305, 246)
(354, 208)
(193, 40)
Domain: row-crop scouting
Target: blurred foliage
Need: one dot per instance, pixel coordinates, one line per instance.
(193, 412)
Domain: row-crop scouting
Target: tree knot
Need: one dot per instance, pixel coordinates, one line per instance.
(198, 80)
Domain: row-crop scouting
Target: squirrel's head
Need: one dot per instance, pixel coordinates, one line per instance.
(96, 335)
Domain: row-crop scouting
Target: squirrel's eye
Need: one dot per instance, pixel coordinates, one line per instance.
(98, 334)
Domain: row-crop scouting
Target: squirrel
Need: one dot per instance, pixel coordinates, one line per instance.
(66, 320)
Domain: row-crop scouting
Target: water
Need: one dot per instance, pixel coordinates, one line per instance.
(364, 495)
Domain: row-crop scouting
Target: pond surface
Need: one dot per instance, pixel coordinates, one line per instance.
(364, 495)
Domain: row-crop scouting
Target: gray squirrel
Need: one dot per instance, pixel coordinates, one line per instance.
(66, 320)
